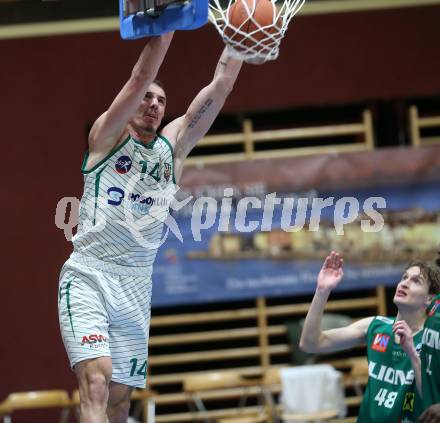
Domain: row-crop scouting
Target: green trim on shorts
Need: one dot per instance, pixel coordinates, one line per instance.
(69, 312)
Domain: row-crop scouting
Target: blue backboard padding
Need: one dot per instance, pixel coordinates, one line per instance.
(189, 16)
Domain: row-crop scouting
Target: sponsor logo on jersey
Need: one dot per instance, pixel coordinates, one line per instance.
(434, 308)
(123, 164)
(408, 402)
(399, 355)
(115, 196)
(380, 342)
(138, 203)
(167, 171)
(149, 200)
(92, 339)
(390, 374)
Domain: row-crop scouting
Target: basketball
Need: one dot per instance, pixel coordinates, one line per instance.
(254, 17)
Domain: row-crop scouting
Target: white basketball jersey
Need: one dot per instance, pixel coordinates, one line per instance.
(125, 202)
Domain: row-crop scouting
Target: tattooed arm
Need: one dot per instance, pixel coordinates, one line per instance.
(187, 130)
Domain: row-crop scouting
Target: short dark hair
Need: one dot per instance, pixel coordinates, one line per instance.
(430, 271)
(159, 84)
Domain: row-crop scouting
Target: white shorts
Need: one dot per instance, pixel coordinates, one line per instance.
(104, 311)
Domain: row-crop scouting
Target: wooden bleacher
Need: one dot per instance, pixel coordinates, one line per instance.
(249, 141)
(418, 124)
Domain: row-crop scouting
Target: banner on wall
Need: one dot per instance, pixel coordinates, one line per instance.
(263, 228)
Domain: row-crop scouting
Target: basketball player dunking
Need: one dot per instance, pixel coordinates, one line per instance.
(105, 286)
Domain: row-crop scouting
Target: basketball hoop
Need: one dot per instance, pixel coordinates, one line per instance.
(255, 35)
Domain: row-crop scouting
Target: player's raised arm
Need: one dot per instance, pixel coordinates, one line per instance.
(313, 339)
(187, 130)
(109, 127)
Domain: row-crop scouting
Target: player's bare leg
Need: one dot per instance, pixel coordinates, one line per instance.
(118, 402)
(94, 379)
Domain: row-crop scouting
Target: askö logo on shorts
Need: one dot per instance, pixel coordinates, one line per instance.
(94, 340)
(123, 164)
(380, 342)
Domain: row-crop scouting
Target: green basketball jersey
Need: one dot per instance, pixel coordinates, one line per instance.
(430, 355)
(391, 393)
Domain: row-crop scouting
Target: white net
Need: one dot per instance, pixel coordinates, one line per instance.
(254, 39)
